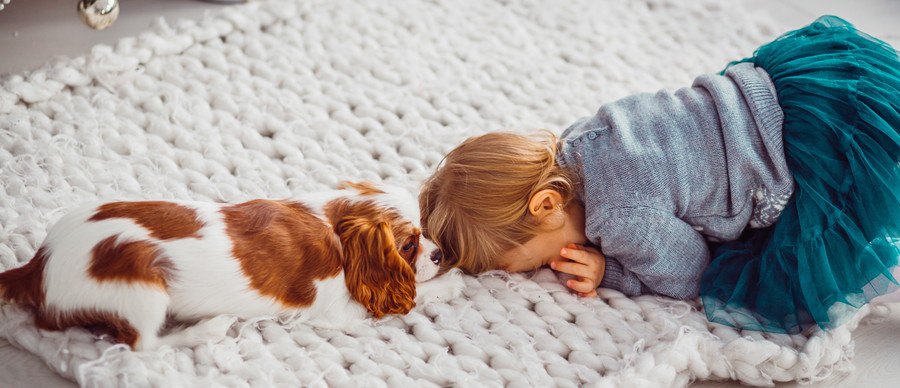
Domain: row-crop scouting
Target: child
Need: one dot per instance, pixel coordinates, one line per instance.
(786, 161)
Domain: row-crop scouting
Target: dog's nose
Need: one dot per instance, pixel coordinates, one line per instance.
(437, 256)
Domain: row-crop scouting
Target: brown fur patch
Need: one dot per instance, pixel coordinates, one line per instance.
(364, 188)
(283, 248)
(376, 274)
(129, 261)
(96, 321)
(403, 230)
(25, 285)
(164, 220)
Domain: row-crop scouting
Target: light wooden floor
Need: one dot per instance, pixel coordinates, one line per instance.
(34, 31)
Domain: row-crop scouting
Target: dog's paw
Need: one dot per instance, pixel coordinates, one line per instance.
(441, 289)
(210, 330)
(213, 329)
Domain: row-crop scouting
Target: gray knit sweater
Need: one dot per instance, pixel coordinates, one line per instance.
(662, 174)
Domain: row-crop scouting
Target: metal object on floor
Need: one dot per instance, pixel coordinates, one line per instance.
(98, 14)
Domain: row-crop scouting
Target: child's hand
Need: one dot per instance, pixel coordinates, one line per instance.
(587, 264)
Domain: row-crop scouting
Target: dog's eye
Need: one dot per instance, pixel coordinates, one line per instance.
(411, 243)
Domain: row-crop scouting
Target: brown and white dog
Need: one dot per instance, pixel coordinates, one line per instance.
(330, 257)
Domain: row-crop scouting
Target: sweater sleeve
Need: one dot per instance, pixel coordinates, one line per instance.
(649, 250)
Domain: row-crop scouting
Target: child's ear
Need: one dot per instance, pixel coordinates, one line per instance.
(544, 203)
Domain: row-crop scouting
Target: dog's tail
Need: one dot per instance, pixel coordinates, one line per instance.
(25, 285)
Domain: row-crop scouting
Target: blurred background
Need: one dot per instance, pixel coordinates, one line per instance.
(34, 31)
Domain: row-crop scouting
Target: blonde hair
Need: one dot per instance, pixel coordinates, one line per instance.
(475, 206)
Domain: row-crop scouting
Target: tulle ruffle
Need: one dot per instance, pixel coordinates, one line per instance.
(833, 248)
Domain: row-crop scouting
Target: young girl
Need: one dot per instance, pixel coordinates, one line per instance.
(772, 190)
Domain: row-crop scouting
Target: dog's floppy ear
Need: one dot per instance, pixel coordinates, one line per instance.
(375, 273)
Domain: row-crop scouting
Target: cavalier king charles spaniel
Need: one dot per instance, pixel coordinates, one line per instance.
(330, 258)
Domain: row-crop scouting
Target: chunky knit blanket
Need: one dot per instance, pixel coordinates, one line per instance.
(281, 97)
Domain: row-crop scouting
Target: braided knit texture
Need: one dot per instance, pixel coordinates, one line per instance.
(281, 97)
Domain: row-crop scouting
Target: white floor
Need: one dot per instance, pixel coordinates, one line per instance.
(33, 32)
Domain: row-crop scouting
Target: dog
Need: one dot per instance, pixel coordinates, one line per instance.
(332, 258)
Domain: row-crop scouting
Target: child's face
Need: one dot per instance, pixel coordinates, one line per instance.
(532, 255)
(545, 246)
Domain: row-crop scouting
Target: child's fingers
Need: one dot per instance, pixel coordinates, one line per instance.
(587, 248)
(577, 255)
(591, 294)
(583, 286)
(571, 268)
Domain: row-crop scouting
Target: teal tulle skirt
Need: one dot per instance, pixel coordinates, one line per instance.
(833, 248)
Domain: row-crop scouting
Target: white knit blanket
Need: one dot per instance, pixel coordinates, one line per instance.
(277, 98)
